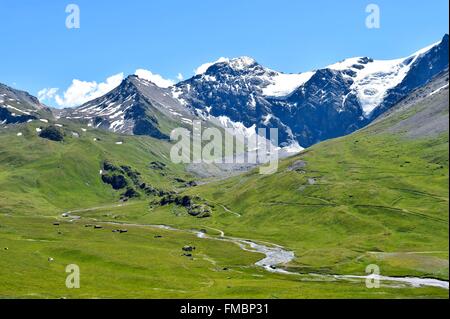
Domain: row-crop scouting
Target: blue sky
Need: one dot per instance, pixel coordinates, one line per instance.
(176, 36)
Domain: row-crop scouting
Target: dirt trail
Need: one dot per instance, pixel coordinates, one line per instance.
(82, 210)
(230, 211)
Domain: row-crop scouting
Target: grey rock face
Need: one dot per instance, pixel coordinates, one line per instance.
(136, 107)
(18, 106)
(333, 102)
(426, 108)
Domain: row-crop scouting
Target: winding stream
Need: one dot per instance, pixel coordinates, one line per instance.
(276, 256)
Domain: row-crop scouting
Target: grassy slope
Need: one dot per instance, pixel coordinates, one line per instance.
(360, 210)
(358, 205)
(46, 177)
(377, 198)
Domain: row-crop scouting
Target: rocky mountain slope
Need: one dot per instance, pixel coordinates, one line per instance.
(137, 107)
(19, 106)
(426, 109)
(312, 106)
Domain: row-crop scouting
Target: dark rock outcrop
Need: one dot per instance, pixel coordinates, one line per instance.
(115, 180)
(52, 133)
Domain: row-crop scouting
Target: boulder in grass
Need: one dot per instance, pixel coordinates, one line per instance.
(120, 231)
(52, 133)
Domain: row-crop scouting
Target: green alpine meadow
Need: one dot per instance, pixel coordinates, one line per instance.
(214, 177)
(378, 196)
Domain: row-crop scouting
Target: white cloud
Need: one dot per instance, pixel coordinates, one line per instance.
(154, 78)
(202, 68)
(80, 92)
(180, 77)
(47, 94)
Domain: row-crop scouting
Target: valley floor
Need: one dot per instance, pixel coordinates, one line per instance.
(148, 262)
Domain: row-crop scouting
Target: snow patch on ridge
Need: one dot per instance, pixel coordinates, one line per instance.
(241, 131)
(438, 90)
(292, 148)
(238, 127)
(241, 62)
(374, 78)
(283, 84)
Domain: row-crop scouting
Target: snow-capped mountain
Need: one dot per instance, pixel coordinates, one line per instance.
(18, 106)
(237, 90)
(239, 93)
(423, 66)
(136, 106)
(312, 106)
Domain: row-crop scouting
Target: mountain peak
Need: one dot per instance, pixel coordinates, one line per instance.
(131, 77)
(137, 82)
(242, 62)
(236, 64)
(18, 106)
